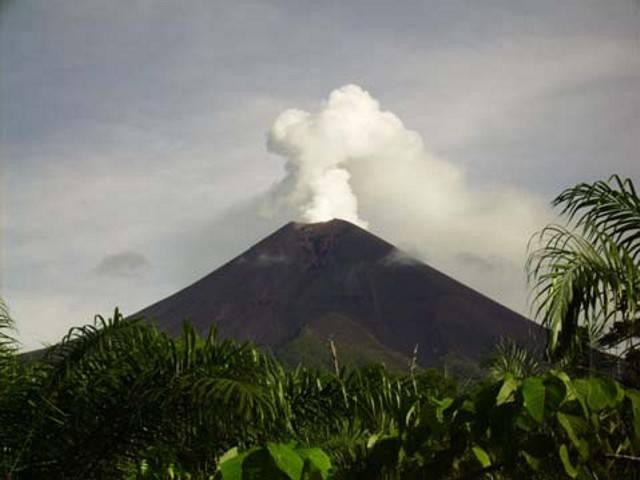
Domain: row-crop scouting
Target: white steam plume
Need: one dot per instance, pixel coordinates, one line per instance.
(352, 160)
(319, 147)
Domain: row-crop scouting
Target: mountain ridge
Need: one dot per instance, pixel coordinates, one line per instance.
(304, 272)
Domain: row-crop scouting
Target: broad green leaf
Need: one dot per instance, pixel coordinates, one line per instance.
(524, 422)
(563, 377)
(533, 462)
(533, 393)
(228, 455)
(259, 463)
(603, 392)
(509, 385)
(571, 392)
(286, 459)
(579, 390)
(575, 426)
(372, 440)
(443, 404)
(482, 456)
(230, 465)
(583, 449)
(566, 421)
(317, 463)
(599, 393)
(468, 406)
(634, 398)
(555, 392)
(566, 462)
(581, 387)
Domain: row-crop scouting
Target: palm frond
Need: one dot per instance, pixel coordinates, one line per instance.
(7, 326)
(110, 337)
(586, 275)
(581, 282)
(605, 207)
(510, 358)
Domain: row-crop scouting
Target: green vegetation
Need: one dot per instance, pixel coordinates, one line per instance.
(355, 345)
(7, 343)
(121, 400)
(586, 274)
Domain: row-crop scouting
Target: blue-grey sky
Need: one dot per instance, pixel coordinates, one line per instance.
(133, 133)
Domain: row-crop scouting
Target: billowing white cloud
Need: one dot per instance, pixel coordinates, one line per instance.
(318, 146)
(353, 160)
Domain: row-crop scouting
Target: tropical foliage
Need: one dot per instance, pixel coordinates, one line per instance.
(586, 274)
(274, 460)
(119, 399)
(7, 342)
(509, 358)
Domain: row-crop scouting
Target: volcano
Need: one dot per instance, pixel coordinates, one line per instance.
(306, 283)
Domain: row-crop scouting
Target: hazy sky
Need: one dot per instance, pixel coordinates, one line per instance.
(134, 134)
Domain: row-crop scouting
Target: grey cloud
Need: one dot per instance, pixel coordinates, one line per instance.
(399, 257)
(123, 264)
(110, 114)
(486, 263)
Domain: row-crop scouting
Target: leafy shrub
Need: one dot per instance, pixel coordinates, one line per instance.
(120, 399)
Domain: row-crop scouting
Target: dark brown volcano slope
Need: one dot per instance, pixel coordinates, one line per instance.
(335, 278)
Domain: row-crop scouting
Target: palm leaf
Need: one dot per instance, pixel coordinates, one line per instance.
(7, 342)
(611, 208)
(587, 277)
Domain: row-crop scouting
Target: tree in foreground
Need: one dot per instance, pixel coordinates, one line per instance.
(119, 399)
(7, 342)
(586, 274)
